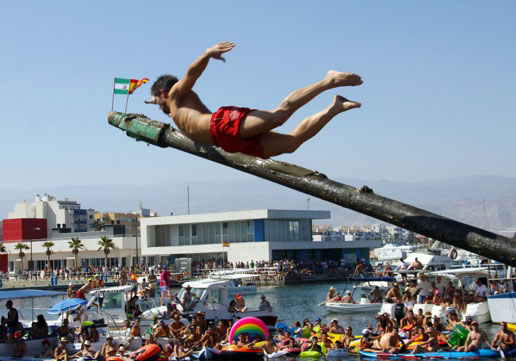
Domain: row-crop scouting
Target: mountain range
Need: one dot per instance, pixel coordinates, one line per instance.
(483, 201)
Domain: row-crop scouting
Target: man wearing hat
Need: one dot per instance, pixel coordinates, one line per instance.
(331, 294)
(335, 328)
(393, 294)
(176, 327)
(264, 304)
(475, 339)
(430, 345)
(85, 351)
(108, 349)
(187, 298)
(61, 351)
(240, 303)
(348, 298)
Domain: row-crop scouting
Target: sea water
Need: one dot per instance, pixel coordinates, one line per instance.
(292, 303)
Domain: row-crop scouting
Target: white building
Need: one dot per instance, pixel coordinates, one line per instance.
(251, 235)
(123, 254)
(59, 213)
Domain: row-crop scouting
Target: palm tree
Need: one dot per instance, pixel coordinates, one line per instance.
(49, 252)
(99, 224)
(106, 244)
(76, 245)
(21, 247)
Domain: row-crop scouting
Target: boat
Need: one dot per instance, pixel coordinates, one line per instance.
(112, 302)
(465, 278)
(340, 307)
(363, 306)
(241, 281)
(34, 346)
(212, 297)
(462, 278)
(484, 352)
(502, 306)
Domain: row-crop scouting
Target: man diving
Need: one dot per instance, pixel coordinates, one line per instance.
(245, 130)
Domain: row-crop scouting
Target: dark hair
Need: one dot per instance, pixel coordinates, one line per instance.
(164, 82)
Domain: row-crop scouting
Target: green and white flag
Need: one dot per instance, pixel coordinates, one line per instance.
(122, 86)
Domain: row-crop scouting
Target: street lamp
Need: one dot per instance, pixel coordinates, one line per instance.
(31, 261)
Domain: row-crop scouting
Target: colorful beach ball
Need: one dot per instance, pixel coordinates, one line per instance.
(250, 325)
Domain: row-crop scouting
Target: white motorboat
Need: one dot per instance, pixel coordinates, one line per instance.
(112, 302)
(211, 296)
(364, 306)
(241, 281)
(502, 307)
(465, 278)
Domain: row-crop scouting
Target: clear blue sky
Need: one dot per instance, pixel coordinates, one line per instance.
(438, 95)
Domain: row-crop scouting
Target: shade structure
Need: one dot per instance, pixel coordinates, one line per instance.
(28, 293)
(67, 305)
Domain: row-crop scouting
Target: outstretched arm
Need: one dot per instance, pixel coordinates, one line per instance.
(185, 85)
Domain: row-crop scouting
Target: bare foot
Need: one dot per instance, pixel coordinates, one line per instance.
(339, 78)
(345, 104)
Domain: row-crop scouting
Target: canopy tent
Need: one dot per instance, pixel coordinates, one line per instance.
(69, 304)
(16, 294)
(30, 294)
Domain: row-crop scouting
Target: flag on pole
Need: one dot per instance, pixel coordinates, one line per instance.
(121, 86)
(128, 86)
(135, 84)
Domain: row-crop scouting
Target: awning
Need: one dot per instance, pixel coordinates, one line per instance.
(16, 294)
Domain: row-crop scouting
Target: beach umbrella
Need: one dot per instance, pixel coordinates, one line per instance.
(67, 305)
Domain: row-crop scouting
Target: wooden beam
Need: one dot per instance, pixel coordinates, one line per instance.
(362, 200)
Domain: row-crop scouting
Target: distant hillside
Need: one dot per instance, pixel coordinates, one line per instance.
(459, 198)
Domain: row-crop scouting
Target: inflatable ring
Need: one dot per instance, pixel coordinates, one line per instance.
(234, 352)
(146, 353)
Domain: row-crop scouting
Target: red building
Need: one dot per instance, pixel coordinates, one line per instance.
(23, 229)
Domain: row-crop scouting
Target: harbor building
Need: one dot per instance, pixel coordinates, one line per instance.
(244, 236)
(19, 231)
(60, 214)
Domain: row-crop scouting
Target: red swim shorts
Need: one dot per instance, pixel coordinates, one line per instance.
(224, 132)
(79, 294)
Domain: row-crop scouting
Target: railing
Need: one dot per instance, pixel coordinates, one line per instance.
(34, 279)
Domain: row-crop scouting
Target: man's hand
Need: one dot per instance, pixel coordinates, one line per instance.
(216, 51)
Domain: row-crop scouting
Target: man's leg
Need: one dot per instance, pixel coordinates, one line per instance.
(261, 121)
(273, 144)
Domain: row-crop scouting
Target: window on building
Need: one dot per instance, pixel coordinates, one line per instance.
(181, 235)
(293, 231)
(250, 231)
(206, 236)
(194, 234)
(188, 239)
(218, 234)
(162, 233)
(225, 232)
(231, 231)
